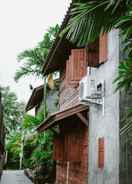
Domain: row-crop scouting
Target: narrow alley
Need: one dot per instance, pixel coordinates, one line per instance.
(14, 177)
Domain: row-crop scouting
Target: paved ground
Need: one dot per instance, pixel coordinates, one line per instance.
(14, 177)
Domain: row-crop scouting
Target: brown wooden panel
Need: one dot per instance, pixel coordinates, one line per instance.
(103, 48)
(101, 153)
(75, 146)
(93, 54)
(76, 66)
(58, 149)
(79, 64)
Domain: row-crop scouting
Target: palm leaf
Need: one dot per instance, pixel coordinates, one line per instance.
(90, 19)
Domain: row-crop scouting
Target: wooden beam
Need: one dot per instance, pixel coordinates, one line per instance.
(82, 118)
(70, 111)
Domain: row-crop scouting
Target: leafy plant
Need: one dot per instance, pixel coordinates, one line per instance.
(13, 110)
(91, 18)
(33, 59)
(124, 79)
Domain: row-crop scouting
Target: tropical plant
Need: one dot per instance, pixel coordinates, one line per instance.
(13, 113)
(13, 149)
(38, 150)
(25, 147)
(91, 18)
(33, 59)
(37, 147)
(13, 110)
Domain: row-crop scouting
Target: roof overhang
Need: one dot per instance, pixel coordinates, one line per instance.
(58, 56)
(60, 50)
(35, 98)
(56, 118)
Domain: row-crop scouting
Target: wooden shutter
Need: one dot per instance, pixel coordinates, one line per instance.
(74, 147)
(58, 148)
(101, 153)
(103, 48)
(93, 54)
(76, 66)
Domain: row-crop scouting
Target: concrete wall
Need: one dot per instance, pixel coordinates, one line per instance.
(106, 125)
(52, 100)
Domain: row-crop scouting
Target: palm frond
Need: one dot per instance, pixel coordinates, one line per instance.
(124, 78)
(33, 59)
(90, 19)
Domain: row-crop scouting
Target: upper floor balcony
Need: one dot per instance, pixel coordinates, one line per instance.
(75, 68)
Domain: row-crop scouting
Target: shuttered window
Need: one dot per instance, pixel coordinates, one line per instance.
(74, 147)
(97, 52)
(93, 56)
(103, 48)
(68, 147)
(76, 66)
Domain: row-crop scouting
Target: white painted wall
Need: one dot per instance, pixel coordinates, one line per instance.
(106, 125)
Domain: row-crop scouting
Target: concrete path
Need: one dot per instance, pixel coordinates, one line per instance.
(14, 177)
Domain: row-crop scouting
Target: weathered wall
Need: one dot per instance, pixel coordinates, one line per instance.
(106, 125)
(52, 101)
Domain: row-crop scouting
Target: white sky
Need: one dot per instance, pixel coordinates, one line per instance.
(22, 25)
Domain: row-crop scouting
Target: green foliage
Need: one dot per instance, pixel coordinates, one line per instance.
(13, 110)
(40, 153)
(13, 116)
(33, 59)
(124, 79)
(91, 18)
(13, 143)
(13, 148)
(37, 148)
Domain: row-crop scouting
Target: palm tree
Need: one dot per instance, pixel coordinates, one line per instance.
(13, 110)
(91, 18)
(33, 59)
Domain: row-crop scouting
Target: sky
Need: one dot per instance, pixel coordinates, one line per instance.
(22, 25)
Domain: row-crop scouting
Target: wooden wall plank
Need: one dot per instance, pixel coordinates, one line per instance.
(103, 48)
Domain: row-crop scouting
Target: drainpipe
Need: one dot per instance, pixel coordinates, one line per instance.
(68, 169)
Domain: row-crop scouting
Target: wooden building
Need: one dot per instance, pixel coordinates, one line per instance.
(71, 122)
(36, 99)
